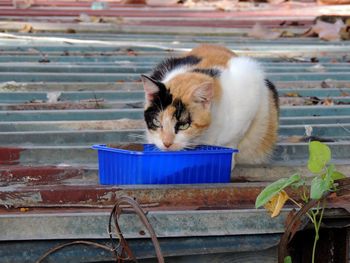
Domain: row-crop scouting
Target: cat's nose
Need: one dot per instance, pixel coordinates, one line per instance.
(167, 144)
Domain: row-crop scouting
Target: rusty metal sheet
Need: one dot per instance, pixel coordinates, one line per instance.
(163, 196)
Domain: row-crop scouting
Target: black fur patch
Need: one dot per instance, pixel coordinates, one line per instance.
(272, 87)
(214, 73)
(161, 100)
(181, 114)
(171, 63)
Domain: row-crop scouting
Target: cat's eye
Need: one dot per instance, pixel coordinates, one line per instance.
(184, 126)
(156, 122)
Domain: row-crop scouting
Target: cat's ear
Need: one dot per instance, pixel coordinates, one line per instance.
(204, 94)
(150, 86)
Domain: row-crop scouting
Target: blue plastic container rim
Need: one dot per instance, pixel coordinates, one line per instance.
(218, 149)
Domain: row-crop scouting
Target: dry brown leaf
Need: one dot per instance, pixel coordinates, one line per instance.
(333, 2)
(22, 4)
(276, 203)
(328, 31)
(85, 18)
(291, 94)
(96, 19)
(292, 101)
(27, 28)
(345, 31)
(328, 102)
(226, 5)
(260, 32)
(276, 2)
(287, 33)
(24, 209)
(70, 31)
(325, 85)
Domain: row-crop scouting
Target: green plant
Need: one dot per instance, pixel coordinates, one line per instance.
(273, 197)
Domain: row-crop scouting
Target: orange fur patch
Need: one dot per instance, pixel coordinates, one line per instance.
(212, 55)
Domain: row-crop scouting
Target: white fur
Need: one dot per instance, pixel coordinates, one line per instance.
(154, 137)
(243, 91)
(176, 71)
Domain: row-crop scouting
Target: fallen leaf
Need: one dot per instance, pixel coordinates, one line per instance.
(24, 209)
(22, 4)
(345, 94)
(27, 28)
(131, 52)
(291, 94)
(287, 33)
(95, 19)
(328, 102)
(312, 101)
(317, 68)
(276, 203)
(308, 130)
(292, 101)
(328, 31)
(70, 31)
(276, 2)
(260, 32)
(333, 2)
(84, 18)
(53, 96)
(226, 5)
(325, 85)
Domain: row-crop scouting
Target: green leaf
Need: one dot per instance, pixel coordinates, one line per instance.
(319, 156)
(318, 187)
(274, 189)
(337, 175)
(328, 178)
(298, 184)
(287, 259)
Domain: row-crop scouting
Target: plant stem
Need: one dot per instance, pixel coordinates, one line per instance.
(300, 206)
(317, 225)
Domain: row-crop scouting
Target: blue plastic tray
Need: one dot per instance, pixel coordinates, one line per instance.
(204, 164)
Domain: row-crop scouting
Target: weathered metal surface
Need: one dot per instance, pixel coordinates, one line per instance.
(166, 224)
(39, 175)
(46, 162)
(79, 154)
(26, 251)
(164, 196)
(112, 114)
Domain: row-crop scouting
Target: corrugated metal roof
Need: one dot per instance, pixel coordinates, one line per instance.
(92, 82)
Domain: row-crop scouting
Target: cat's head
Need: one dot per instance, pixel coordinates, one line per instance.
(177, 112)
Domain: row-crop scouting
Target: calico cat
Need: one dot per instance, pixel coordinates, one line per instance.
(211, 96)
